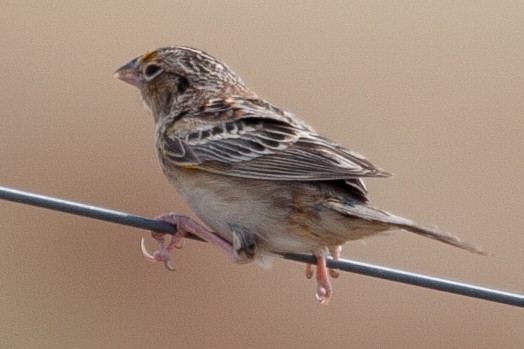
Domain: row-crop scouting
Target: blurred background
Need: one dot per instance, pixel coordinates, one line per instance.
(430, 91)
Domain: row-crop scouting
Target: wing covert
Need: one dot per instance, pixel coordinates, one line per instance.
(263, 143)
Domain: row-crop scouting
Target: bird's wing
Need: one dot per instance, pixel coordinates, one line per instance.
(256, 140)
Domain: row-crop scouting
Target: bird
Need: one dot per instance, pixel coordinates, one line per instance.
(260, 179)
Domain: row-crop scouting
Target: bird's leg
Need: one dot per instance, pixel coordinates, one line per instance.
(323, 273)
(324, 288)
(185, 225)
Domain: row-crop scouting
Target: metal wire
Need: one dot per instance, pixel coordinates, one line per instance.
(341, 264)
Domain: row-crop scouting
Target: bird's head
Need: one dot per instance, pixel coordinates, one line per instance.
(178, 78)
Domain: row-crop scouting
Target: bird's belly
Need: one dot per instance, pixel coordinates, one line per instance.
(264, 208)
(284, 216)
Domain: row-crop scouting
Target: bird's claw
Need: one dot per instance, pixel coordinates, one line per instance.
(309, 271)
(160, 255)
(322, 295)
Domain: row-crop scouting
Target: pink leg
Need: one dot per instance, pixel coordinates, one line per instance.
(184, 225)
(325, 284)
(324, 288)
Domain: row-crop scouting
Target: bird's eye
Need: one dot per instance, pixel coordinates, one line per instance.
(151, 71)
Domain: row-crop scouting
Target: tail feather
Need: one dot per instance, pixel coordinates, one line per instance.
(372, 214)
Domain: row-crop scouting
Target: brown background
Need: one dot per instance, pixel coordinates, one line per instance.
(432, 92)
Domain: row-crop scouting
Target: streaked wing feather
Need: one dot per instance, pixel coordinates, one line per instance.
(265, 143)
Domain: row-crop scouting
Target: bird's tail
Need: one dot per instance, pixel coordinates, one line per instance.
(375, 215)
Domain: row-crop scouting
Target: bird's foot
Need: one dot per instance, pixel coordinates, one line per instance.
(335, 253)
(323, 273)
(162, 254)
(186, 225)
(324, 288)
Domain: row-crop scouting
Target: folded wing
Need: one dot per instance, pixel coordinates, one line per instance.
(263, 143)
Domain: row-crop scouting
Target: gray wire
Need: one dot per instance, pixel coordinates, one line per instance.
(341, 264)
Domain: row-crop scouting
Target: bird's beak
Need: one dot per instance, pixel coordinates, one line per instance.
(128, 72)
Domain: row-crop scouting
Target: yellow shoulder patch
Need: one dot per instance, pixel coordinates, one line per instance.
(190, 166)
